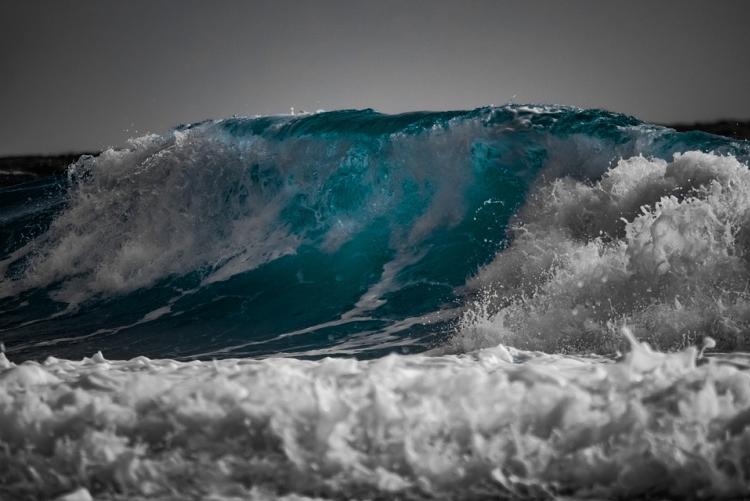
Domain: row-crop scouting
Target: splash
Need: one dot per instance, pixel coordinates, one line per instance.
(661, 246)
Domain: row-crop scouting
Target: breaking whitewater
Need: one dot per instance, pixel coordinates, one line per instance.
(511, 302)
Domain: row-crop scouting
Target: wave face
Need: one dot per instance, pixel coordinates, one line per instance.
(353, 232)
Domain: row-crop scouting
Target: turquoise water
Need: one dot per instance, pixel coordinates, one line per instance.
(348, 232)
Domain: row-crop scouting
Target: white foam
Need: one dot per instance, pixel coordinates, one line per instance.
(660, 246)
(162, 207)
(469, 426)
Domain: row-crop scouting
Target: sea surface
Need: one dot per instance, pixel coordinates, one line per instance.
(517, 302)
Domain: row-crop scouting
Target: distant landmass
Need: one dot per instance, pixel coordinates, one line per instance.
(729, 128)
(24, 168)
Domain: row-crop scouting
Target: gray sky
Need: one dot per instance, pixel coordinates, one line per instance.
(87, 74)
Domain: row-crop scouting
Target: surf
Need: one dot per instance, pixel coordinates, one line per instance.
(348, 232)
(519, 301)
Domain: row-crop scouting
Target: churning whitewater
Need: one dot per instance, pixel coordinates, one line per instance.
(519, 302)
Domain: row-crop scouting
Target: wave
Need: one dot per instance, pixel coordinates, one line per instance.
(354, 232)
(520, 249)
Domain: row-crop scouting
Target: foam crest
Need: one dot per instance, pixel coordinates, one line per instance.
(660, 246)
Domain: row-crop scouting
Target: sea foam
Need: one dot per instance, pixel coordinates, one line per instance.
(497, 423)
(662, 246)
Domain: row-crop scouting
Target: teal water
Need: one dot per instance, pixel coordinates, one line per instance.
(340, 233)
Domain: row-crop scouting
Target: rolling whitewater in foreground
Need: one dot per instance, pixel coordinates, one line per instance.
(518, 302)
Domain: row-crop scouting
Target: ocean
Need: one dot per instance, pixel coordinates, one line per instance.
(516, 302)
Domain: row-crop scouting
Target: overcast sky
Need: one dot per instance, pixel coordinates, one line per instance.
(83, 75)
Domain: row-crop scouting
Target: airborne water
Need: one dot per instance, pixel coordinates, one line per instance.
(479, 266)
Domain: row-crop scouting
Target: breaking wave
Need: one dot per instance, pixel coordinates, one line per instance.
(487, 270)
(359, 233)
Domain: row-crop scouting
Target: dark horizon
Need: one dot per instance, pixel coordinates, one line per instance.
(85, 75)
